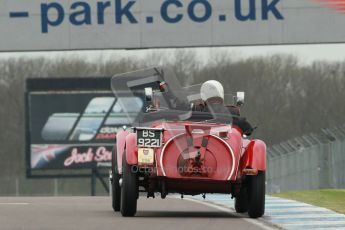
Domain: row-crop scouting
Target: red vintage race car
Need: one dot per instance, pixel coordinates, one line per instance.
(176, 147)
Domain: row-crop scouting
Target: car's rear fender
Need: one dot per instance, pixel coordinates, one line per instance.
(131, 149)
(254, 156)
(120, 147)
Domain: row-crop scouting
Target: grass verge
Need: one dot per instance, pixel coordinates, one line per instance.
(333, 199)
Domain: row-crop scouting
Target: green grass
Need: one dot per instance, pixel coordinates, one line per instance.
(333, 199)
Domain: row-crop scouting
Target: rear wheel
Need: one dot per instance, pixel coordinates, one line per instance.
(241, 201)
(129, 189)
(256, 195)
(116, 189)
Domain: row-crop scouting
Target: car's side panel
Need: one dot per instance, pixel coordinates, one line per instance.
(255, 156)
(120, 147)
(235, 141)
(131, 149)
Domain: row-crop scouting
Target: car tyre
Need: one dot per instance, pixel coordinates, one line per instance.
(129, 189)
(116, 189)
(256, 195)
(241, 201)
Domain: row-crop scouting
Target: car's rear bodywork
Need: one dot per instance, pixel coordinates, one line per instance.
(222, 159)
(174, 150)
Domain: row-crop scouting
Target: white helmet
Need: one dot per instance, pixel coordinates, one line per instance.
(213, 91)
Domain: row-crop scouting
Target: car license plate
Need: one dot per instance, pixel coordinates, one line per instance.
(145, 156)
(149, 138)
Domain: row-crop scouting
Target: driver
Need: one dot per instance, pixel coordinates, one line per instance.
(212, 95)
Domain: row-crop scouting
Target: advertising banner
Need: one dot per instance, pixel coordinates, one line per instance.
(75, 129)
(130, 24)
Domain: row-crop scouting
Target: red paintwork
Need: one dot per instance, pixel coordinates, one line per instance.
(211, 167)
(254, 156)
(218, 162)
(131, 149)
(120, 147)
(237, 129)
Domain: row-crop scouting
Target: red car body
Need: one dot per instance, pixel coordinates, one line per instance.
(232, 155)
(193, 157)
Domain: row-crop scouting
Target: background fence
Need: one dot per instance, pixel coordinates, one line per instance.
(313, 161)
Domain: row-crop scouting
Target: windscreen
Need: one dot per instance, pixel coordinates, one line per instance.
(165, 99)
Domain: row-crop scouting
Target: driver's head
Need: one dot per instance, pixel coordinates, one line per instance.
(212, 92)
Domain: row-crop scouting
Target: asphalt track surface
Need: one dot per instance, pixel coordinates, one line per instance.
(95, 213)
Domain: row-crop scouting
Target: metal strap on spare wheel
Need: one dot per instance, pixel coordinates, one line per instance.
(189, 141)
(203, 148)
(204, 142)
(190, 144)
